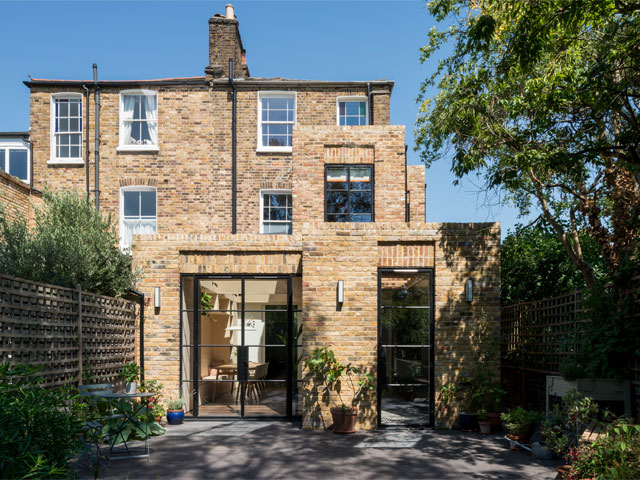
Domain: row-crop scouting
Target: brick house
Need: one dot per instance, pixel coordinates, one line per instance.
(268, 217)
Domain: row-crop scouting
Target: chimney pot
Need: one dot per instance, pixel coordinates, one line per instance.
(229, 12)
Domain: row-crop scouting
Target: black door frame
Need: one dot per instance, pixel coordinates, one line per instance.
(431, 346)
(242, 372)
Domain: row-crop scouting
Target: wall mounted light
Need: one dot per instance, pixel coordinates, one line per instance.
(156, 297)
(468, 290)
(340, 291)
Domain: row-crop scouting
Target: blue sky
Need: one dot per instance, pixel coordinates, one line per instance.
(323, 40)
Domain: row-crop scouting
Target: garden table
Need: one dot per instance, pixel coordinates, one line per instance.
(127, 418)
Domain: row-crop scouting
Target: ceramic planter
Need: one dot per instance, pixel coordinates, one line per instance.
(344, 422)
(541, 451)
(485, 427)
(131, 387)
(468, 422)
(175, 417)
(522, 438)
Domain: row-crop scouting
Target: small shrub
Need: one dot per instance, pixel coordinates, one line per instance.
(175, 404)
(519, 421)
(72, 244)
(39, 427)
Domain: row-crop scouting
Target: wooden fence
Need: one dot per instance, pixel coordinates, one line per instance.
(537, 338)
(74, 336)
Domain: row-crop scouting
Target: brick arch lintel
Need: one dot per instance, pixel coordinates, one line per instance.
(138, 181)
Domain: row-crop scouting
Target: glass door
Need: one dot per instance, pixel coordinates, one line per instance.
(240, 344)
(405, 347)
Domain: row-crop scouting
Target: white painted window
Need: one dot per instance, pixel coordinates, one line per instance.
(14, 159)
(276, 211)
(276, 118)
(66, 128)
(353, 111)
(138, 120)
(138, 214)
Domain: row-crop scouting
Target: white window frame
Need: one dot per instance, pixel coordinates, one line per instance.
(276, 94)
(353, 98)
(122, 147)
(270, 191)
(53, 159)
(7, 145)
(133, 188)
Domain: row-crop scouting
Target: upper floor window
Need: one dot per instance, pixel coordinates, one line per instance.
(138, 120)
(137, 213)
(14, 159)
(348, 193)
(353, 111)
(276, 118)
(66, 128)
(276, 211)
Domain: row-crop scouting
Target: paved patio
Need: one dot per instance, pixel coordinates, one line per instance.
(252, 449)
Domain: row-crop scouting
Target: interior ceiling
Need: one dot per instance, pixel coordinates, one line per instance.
(267, 292)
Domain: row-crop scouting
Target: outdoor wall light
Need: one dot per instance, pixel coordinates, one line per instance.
(468, 290)
(156, 297)
(340, 291)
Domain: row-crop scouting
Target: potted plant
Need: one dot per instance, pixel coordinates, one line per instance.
(484, 422)
(156, 408)
(324, 366)
(130, 373)
(520, 423)
(481, 391)
(175, 411)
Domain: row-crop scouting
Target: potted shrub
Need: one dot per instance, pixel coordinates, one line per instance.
(520, 423)
(156, 408)
(481, 391)
(130, 373)
(484, 422)
(324, 366)
(175, 411)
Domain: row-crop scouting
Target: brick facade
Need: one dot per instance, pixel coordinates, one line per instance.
(191, 170)
(17, 199)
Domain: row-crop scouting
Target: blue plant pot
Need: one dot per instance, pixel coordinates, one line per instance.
(175, 417)
(468, 422)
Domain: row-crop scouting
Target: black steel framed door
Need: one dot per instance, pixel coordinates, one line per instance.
(405, 347)
(239, 344)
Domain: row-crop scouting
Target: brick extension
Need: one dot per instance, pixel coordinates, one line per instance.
(192, 173)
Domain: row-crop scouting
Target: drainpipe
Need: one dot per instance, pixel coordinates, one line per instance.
(370, 103)
(233, 149)
(86, 165)
(97, 140)
(140, 296)
(407, 198)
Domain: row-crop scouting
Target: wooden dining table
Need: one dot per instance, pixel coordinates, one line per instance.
(230, 369)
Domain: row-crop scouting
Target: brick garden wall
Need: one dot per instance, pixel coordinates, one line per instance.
(16, 198)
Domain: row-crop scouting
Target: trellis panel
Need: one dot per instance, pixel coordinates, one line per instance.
(73, 336)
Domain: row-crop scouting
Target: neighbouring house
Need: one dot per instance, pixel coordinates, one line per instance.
(269, 217)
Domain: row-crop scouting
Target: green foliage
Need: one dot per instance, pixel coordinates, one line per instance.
(540, 99)
(566, 423)
(482, 390)
(447, 393)
(615, 455)
(175, 404)
(520, 421)
(71, 245)
(39, 427)
(323, 364)
(156, 406)
(534, 264)
(144, 425)
(130, 372)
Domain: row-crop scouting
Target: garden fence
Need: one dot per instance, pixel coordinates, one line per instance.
(537, 338)
(74, 336)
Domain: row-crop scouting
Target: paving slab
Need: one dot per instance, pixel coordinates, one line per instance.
(276, 449)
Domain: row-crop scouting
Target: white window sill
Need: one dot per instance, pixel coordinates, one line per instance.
(274, 149)
(137, 148)
(65, 161)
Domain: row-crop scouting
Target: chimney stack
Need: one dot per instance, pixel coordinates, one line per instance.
(224, 44)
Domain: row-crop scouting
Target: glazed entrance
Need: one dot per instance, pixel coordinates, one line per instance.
(240, 345)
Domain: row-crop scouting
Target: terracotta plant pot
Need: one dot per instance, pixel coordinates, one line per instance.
(520, 438)
(496, 423)
(344, 422)
(563, 471)
(485, 427)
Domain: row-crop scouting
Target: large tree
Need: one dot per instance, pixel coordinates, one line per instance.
(541, 98)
